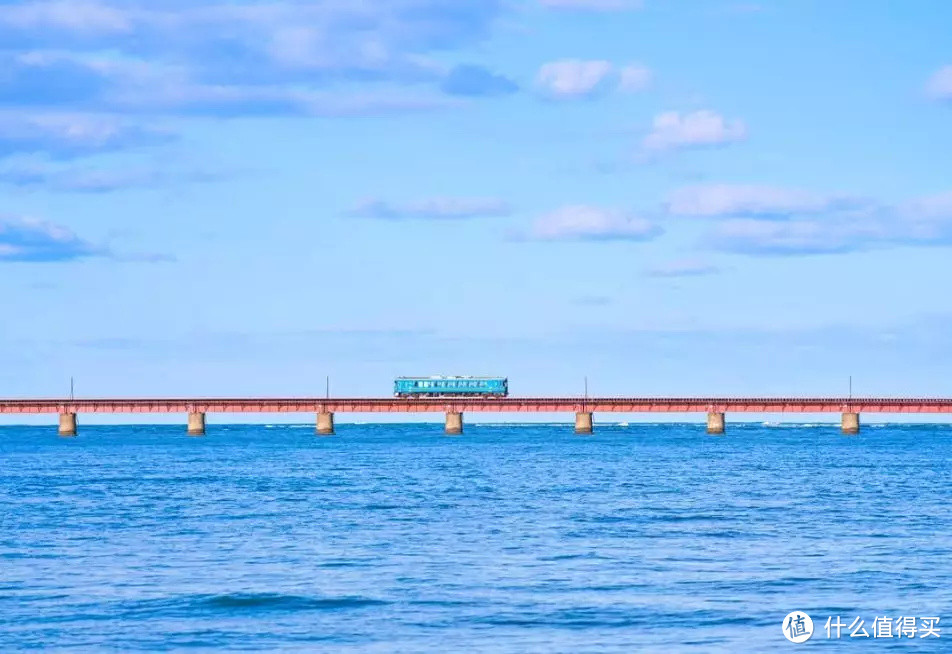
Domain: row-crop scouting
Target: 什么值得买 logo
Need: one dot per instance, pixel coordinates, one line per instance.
(797, 627)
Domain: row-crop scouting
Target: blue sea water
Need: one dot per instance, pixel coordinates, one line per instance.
(395, 538)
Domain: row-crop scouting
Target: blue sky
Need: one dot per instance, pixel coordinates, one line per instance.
(669, 197)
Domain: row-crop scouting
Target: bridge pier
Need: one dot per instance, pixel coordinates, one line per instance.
(583, 422)
(850, 423)
(67, 424)
(325, 423)
(196, 423)
(715, 423)
(454, 423)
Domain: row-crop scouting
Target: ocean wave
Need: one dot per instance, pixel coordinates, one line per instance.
(243, 602)
(286, 602)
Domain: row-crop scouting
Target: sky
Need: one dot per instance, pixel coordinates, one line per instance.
(206, 198)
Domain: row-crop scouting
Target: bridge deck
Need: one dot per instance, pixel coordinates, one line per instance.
(498, 405)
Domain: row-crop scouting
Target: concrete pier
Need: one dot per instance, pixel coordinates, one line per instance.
(325, 423)
(850, 423)
(196, 423)
(454, 423)
(583, 422)
(715, 423)
(67, 424)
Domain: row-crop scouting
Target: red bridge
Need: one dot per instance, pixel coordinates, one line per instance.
(714, 407)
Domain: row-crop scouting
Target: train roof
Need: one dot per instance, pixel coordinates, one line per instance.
(451, 377)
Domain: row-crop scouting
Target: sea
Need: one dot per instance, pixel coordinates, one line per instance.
(509, 538)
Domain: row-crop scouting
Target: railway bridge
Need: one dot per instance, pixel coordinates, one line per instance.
(454, 408)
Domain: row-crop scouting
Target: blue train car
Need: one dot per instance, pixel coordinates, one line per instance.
(450, 387)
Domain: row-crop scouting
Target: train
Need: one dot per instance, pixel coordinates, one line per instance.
(440, 386)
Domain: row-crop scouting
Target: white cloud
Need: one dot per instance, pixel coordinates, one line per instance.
(83, 16)
(584, 222)
(70, 177)
(674, 130)
(332, 35)
(774, 220)
(73, 128)
(841, 228)
(719, 200)
(136, 85)
(365, 103)
(24, 239)
(752, 236)
(593, 5)
(940, 85)
(684, 268)
(432, 209)
(256, 57)
(932, 207)
(926, 219)
(573, 78)
(634, 77)
(70, 133)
